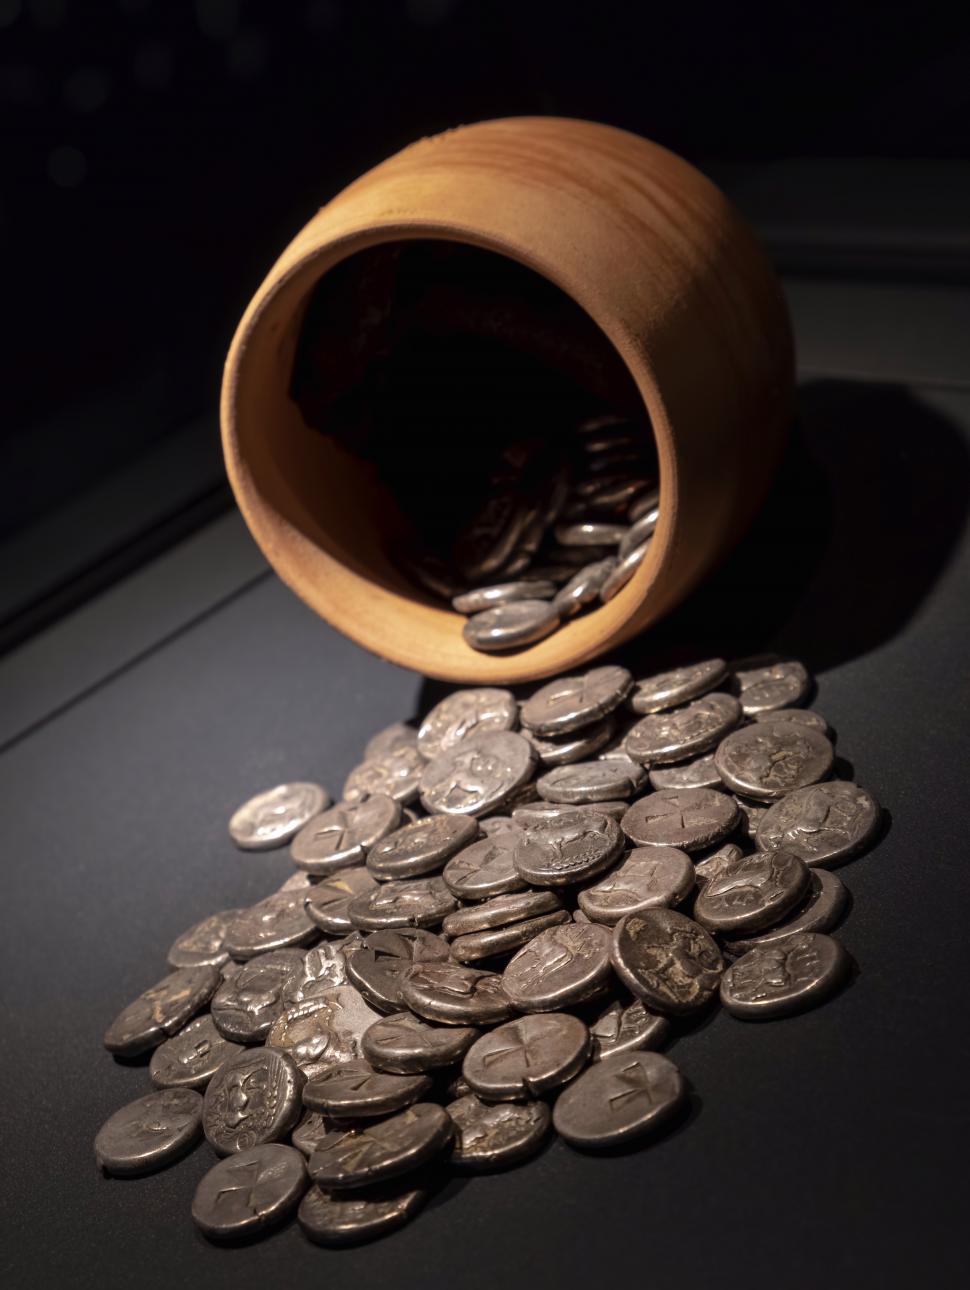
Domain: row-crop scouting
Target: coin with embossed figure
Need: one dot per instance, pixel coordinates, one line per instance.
(766, 761)
(395, 774)
(203, 944)
(161, 1010)
(312, 1127)
(390, 740)
(584, 587)
(591, 781)
(341, 836)
(712, 861)
(453, 995)
(688, 818)
(191, 1058)
(571, 847)
(338, 1218)
(578, 746)
(752, 892)
(326, 1029)
(516, 907)
(327, 902)
(250, 1193)
(478, 775)
(406, 1045)
(572, 702)
(496, 941)
(795, 716)
(785, 976)
(377, 967)
(465, 714)
(247, 1003)
(559, 968)
(621, 1097)
(667, 960)
(527, 1057)
(277, 922)
(410, 902)
(680, 685)
(351, 1090)
(270, 819)
(770, 684)
(750, 815)
(150, 1132)
(323, 968)
(253, 1098)
(698, 773)
(665, 737)
(624, 1028)
(820, 911)
(421, 847)
(823, 823)
(386, 1149)
(647, 878)
(490, 1136)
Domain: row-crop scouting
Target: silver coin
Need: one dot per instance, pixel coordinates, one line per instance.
(624, 569)
(352, 1090)
(665, 737)
(688, 818)
(820, 911)
(406, 1045)
(485, 868)
(411, 902)
(247, 1003)
(338, 1219)
(796, 716)
(639, 531)
(568, 749)
(327, 902)
(161, 1010)
(823, 823)
(488, 539)
(390, 740)
(583, 588)
(341, 836)
(453, 995)
(496, 941)
(591, 781)
(572, 702)
(478, 776)
(506, 626)
(202, 945)
(750, 815)
(713, 861)
(150, 1132)
(752, 892)
(560, 967)
(250, 1192)
(295, 882)
(568, 848)
(309, 1131)
(493, 824)
(667, 960)
(500, 911)
(378, 966)
(465, 714)
(386, 1149)
(620, 1029)
(422, 847)
(277, 922)
(323, 968)
(645, 501)
(766, 761)
(191, 1058)
(395, 774)
(698, 773)
(619, 1098)
(784, 977)
(325, 1030)
(590, 533)
(502, 593)
(681, 685)
(649, 877)
(528, 1057)
(489, 1136)
(253, 1098)
(774, 684)
(537, 814)
(270, 819)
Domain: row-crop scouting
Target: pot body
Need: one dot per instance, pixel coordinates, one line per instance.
(649, 249)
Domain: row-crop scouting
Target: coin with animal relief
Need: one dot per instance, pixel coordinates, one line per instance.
(752, 892)
(819, 911)
(190, 1058)
(823, 823)
(785, 976)
(478, 775)
(667, 960)
(571, 847)
(559, 968)
(247, 1003)
(161, 1010)
(203, 945)
(395, 774)
(680, 685)
(465, 714)
(150, 1132)
(773, 684)
(271, 818)
(410, 902)
(454, 995)
(665, 737)
(766, 761)
(490, 1136)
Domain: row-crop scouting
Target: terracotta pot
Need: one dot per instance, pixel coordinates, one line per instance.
(654, 255)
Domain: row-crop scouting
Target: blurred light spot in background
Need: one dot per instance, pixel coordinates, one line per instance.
(66, 166)
(86, 89)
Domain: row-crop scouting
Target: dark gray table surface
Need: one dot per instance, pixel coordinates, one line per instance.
(824, 1149)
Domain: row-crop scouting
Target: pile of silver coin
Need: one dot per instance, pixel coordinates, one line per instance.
(549, 540)
(510, 910)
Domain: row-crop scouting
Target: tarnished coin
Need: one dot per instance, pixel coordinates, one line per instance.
(768, 760)
(270, 819)
(647, 878)
(338, 1219)
(341, 836)
(624, 1096)
(250, 1192)
(313, 1126)
(411, 902)
(478, 775)
(823, 823)
(538, 814)
(820, 911)
(406, 1045)
(500, 911)
(150, 1132)
(796, 716)
(253, 1098)
(485, 868)
(591, 781)
(784, 977)
(465, 714)
(713, 862)
(502, 593)
(327, 903)
(495, 941)
(277, 922)
(352, 1090)
(775, 684)
(390, 740)
(750, 816)
(681, 685)
(527, 1057)
(689, 818)
(572, 702)
(453, 995)
(489, 1136)
(247, 1003)
(327, 1029)
(323, 968)
(686, 732)
(377, 968)
(202, 945)
(667, 960)
(191, 1058)
(752, 892)
(523, 622)
(698, 773)
(624, 569)
(386, 1149)
(395, 774)
(493, 824)
(161, 1010)
(422, 847)
(584, 587)
(560, 967)
(620, 1029)
(572, 847)
(571, 748)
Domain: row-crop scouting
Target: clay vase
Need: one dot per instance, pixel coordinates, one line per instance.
(667, 273)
